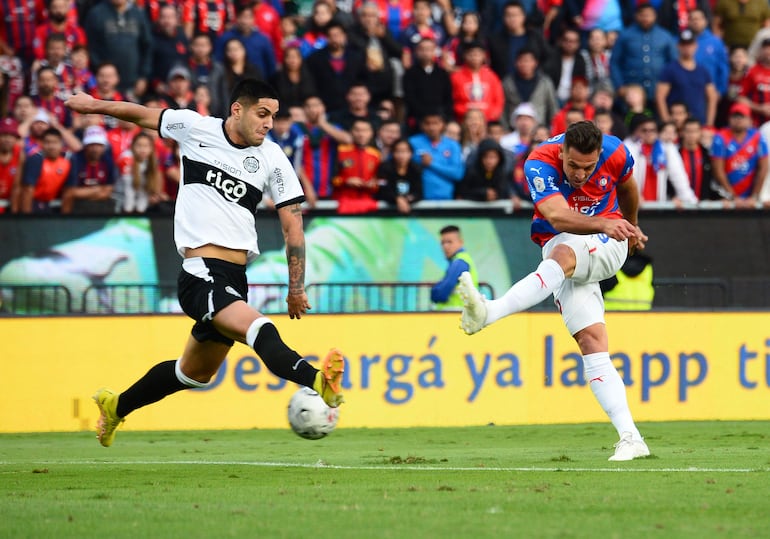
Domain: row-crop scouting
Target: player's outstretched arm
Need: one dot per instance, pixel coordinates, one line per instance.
(556, 210)
(124, 110)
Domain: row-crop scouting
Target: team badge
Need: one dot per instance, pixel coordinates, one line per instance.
(251, 164)
(539, 184)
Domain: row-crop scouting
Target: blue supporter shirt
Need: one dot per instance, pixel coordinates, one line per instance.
(598, 197)
(446, 169)
(687, 86)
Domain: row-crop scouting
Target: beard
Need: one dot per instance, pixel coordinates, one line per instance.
(58, 18)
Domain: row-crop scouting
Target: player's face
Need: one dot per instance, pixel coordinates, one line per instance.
(253, 123)
(578, 166)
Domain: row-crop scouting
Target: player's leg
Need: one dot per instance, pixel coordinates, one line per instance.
(582, 308)
(247, 325)
(558, 264)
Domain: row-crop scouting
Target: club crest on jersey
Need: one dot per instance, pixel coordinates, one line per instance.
(539, 184)
(603, 181)
(251, 164)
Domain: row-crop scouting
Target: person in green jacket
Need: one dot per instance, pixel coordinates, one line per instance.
(444, 294)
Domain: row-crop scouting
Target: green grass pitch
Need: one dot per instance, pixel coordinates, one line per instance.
(703, 480)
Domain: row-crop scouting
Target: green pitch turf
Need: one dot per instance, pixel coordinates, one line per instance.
(703, 480)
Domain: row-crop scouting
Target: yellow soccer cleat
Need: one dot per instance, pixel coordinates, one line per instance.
(328, 380)
(107, 401)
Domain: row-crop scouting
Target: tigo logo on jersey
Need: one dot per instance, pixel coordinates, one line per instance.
(233, 190)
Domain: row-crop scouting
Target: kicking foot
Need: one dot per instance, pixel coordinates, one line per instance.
(107, 401)
(474, 314)
(329, 379)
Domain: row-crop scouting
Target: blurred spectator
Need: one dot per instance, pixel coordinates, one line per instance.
(506, 44)
(85, 81)
(607, 15)
(736, 21)
(739, 154)
(631, 288)
(209, 17)
(738, 67)
(470, 32)
(92, 177)
(658, 165)
(635, 102)
(118, 32)
(640, 52)
(578, 100)
(24, 112)
(288, 136)
(202, 99)
(12, 78)
(400, 178)
(485, 179)
(236, 67)
(203, 67)
(357, 101)
(673, 15)
(697, 161)
(336, 67)
(47, 98)
(140, 177)
(293, 80)
(667, 133)
(17, 28)
(38, 125)
(120, 137)
(259, 50)
(524, 120)
(314, 38)
(107, 83)
(439, 156)
(55, 54)
(596, 57)
(453, 131)
(179, 94)
(711, 52)
(679, 112)
(268, 21)
(422, 26)
(152, 9)
(387, 134)
(755, 87)
(566, 64)
(395, 15)
(474, 130)
(44, 174)
(604, 98)
(355, 182)
(11, 164)
(380, 49)
(427, 86)
(476, 86)
(604, 121)
(319, 151)
(58, 23)
(170, 46)
(685, 80)
(529, 85)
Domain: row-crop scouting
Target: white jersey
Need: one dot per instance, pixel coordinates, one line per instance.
(221, 183)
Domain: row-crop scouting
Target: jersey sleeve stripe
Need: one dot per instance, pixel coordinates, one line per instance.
(295, 200)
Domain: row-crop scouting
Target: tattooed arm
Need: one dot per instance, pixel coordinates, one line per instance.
(294, 236)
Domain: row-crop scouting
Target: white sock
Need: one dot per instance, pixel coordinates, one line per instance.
(608, 388)
(528, 292)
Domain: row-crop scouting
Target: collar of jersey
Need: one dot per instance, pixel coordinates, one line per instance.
(227, 138)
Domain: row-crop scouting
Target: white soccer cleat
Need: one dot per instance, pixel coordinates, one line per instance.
(474, 315)
(629, 449)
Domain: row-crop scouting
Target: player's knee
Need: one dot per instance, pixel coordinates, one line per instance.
(592, 339)
(565, 256)
(198, 378)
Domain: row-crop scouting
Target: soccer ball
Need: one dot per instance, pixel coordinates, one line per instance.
(309, 416)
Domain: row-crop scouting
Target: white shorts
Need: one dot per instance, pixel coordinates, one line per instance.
(598, 257)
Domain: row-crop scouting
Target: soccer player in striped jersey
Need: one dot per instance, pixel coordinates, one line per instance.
(586, 204)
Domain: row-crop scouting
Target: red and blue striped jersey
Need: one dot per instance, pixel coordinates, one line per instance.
(318, 159)
(741, 158)
(18, 20)
(597, 197)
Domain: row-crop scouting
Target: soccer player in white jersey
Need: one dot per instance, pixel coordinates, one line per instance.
(586, 204)
(227, 165)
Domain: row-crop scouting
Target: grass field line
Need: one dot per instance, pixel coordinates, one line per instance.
(384, 467)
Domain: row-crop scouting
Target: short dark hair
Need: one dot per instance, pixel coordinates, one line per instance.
(449, 229)
(583, 136)
(51, 131)
(248, 91)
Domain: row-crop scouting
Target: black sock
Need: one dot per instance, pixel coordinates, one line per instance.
(159, 382)
(282, 360)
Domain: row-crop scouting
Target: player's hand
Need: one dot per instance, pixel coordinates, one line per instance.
(637, 242)
(619, 229)
(80, 102)
(298, 304)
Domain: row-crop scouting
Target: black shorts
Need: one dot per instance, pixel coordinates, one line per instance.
(205, 287)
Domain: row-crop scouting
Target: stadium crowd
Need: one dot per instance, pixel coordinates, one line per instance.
(387, 102)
